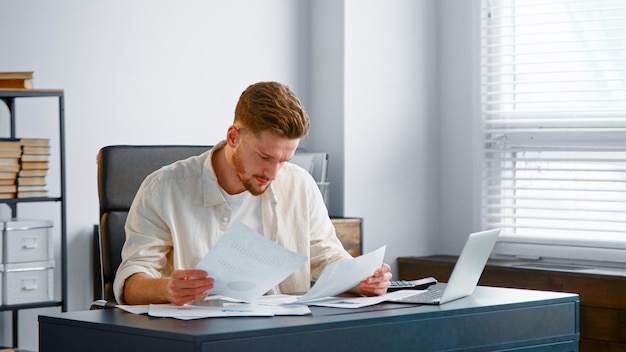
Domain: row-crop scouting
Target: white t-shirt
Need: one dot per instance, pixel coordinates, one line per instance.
(246, 208)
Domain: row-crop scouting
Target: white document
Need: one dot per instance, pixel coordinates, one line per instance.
(285, 309)
(340, 277)
(246, 265)
(197, 312)
(359, 302)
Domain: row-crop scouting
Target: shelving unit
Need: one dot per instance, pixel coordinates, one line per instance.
(9, 97)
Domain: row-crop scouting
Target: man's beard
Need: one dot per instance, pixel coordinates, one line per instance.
(247, 182)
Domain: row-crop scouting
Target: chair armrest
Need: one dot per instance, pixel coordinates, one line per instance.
(102, 304)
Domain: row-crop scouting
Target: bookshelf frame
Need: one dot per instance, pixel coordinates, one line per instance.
(9, 97)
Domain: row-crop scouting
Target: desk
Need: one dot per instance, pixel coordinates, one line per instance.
(491, 319)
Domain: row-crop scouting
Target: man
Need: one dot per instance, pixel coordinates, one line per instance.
(181, 210)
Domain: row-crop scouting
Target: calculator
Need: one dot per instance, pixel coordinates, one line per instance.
(420, 284)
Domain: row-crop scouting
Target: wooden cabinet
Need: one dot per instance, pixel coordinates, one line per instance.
(349, 233)
(602, 296)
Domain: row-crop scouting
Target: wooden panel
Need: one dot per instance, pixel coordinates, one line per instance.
(602, 297)
(600, 346)
(603, 324)
(349, 233)
(595, 290)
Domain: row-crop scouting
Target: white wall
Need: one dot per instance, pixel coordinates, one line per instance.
(391, 147)
(326, 87)
(459, 138)
(164, 72)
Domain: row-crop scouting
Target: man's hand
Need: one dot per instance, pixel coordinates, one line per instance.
(188, 285)
(182, 287)
(376, 284)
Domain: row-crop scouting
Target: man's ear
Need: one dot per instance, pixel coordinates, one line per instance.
(233, 136)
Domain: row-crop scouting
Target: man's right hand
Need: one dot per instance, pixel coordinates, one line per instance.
(188, 285)
(182, 287)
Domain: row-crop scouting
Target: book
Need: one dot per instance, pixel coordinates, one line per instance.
(7, 181)
(8, 188)
(30, 181)
(9, 195)
(34, 157)
(31, 188)
(10, 153)
(9, 168)
(32, 194)
(36, 149)
(8, 175)
(16, 75)
(32, 172)
(30, 165)
(18, 80)
(34, 141)
(16, 83)
(9, 161)
(10, 143)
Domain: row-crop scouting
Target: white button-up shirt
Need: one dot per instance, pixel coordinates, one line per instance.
(179, 213)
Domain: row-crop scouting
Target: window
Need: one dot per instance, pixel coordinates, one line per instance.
(553, 108)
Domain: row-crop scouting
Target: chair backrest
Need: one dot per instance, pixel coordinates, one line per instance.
(121, 170)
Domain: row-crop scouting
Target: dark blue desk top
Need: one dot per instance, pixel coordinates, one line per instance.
(484, 299)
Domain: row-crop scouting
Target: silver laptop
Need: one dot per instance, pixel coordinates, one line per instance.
(466, 273)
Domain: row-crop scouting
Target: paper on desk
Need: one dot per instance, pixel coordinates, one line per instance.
(340, 277)
(359, 302)
(198, 312)
(246, 265)
(188, 312)
(284, 309)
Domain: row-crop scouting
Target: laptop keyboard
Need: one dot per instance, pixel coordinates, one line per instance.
(426, 296)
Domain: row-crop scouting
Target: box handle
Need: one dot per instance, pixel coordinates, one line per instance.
(29, 285)
(30, 243)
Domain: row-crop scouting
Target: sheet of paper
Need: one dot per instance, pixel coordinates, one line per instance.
(246, 265)
(197, 312)
(276, 300)
(340, 277)
(359, 302)
(285, 309)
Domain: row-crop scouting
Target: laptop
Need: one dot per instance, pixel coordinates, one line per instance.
(466, 273)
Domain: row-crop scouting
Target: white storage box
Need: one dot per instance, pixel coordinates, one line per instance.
(28, 282)
(27, 241)
(1, 241)
(1, 281)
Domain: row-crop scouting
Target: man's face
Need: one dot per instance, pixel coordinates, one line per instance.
(257, 159)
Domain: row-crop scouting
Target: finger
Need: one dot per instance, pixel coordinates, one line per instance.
(189, 274)
(384, 268)
(183, 291)
(378, 278)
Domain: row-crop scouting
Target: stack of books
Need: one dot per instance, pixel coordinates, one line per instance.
(10, 154)
(16, 80)
(31, 178)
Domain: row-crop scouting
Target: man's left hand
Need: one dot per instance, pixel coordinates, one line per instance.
(376, 284)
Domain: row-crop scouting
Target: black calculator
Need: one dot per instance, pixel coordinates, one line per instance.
(420, 284)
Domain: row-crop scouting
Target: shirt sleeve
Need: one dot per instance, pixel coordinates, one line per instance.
(148, 240)
(325, 245)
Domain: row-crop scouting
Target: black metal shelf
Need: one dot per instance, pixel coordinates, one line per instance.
(30, 200)
(16, 307)
(8, 96)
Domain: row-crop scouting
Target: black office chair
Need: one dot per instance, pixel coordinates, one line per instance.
(121, 169)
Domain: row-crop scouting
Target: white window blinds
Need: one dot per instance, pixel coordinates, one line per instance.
(553, 106)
